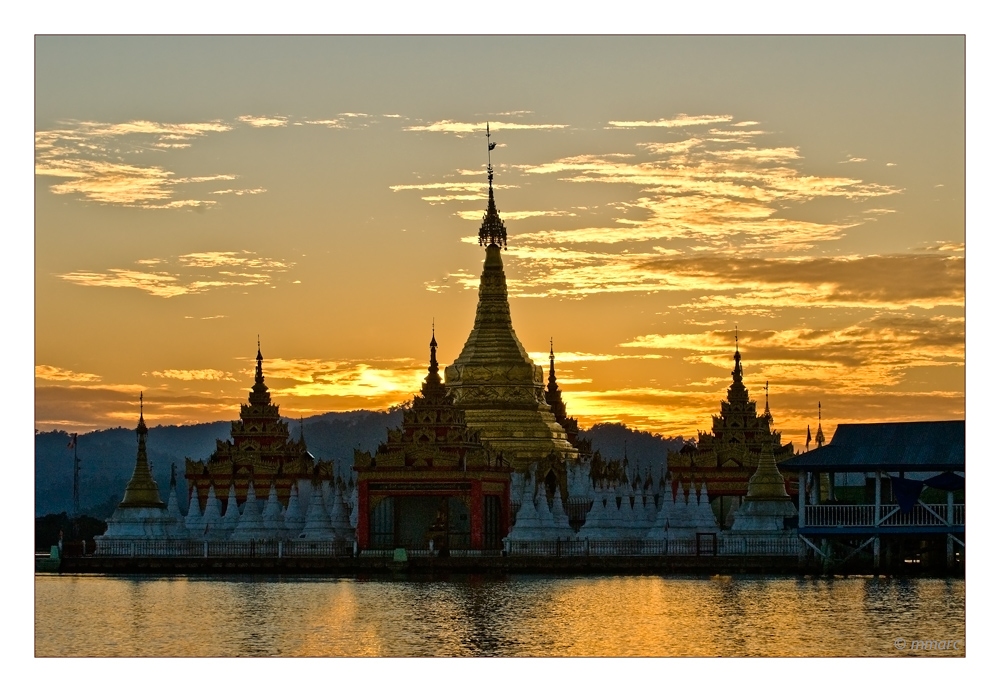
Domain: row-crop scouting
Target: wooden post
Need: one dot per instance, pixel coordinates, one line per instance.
(878, 498)
(950, 540)
(803, 499)
(281, 545)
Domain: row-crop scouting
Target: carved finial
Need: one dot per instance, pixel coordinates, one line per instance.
(820, 438)
(492, 231)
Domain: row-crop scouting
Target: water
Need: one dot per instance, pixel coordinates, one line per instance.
(480, 616)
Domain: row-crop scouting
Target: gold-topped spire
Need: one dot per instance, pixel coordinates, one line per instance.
(820, 438)
(492, 230)
(141, 490)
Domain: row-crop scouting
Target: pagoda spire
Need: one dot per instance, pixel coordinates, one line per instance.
(492, 230)
(737, 390)
(259, 393)
(553, 397)
(820, 438)
(141, 490)
(433, 386)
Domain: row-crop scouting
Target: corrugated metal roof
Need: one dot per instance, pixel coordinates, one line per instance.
(920, 446)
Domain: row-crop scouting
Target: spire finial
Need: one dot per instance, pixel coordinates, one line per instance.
(492, 232)
(767, 403)
(140, 405)
(820, 438)
(433, 386)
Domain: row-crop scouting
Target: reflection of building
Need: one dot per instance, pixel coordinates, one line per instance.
(433, 480)
(726, 458)
(260, 451)
(496, 384)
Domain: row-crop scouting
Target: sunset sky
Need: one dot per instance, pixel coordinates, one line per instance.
(326, 193)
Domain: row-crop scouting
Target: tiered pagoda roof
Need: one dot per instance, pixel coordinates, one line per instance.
(260, 450)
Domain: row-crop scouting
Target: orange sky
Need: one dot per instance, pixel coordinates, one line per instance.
(325, 193)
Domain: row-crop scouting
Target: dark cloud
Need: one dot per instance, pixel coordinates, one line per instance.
(901, 278)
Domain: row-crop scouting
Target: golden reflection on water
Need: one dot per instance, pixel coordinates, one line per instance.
(484, 616)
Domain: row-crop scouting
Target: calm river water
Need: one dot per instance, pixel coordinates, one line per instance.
(480, 616)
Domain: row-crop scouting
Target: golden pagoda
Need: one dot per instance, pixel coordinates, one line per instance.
(496, 383)
(142, 490)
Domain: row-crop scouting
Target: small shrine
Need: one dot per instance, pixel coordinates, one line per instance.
(260, 451)
(434, 481)
(725, 458)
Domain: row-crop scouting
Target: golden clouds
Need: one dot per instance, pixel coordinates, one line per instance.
(264, 120)
(680, 120)
(109, 163)
(191, 273)
(51, 372)
(876, 281)
(190, 375)
(465, 128)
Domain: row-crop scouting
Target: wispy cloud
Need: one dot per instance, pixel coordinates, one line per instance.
(204, 374)
(515, 215)
(264, 120)
(868, 357)
(187, 274)
(680, 120)
(51, 372)
(464, 128)
(104, 162)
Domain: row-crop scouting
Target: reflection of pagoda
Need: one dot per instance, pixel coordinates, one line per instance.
(726, 458)
(260, 451)
(433, 480)
(495, 382)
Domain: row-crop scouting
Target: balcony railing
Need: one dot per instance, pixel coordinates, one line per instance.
(843, 516)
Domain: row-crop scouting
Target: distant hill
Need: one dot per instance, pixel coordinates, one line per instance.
(108, 456)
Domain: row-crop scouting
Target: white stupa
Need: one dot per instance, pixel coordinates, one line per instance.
(560, 519)
(294, 521)
(317, 525)
(212, 525)
(177, 528)
(232, 516)
(603, 521)
(194, 522)
(273, 515)
(527, 524)
(340, 520)
(251, 523)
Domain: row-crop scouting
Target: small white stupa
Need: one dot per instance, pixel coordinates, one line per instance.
(212, 526)
(194, 522)
(251, 523)
(340, 520)
(232, 516)
(273, 516)
(294, 521)
(317, 522)
(177, 528)
(560, 518)
(527, 523)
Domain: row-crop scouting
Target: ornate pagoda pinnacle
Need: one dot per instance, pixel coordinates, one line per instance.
(259, 394)
(820, 438)
(737, 390)
(492, 230)
(553, 397)
(141, 490)
(767, 402)
(433, 386)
